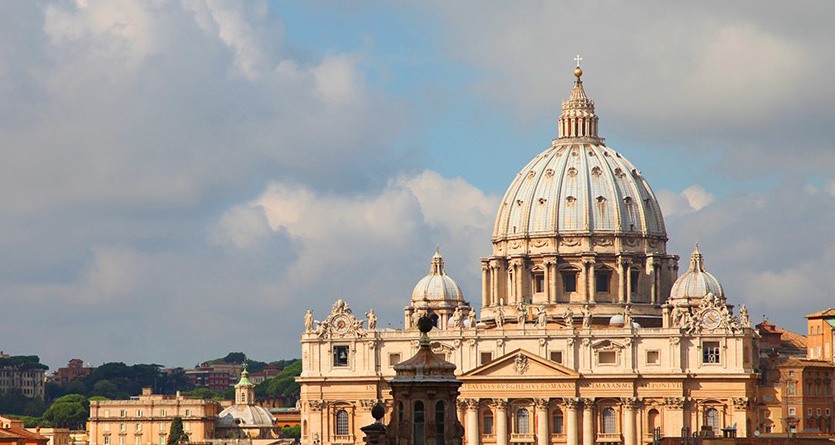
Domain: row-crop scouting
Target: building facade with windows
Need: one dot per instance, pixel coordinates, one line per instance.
(586, 332)
(146, 419)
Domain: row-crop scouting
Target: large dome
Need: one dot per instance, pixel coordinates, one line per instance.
(243, 416)
(578, 188)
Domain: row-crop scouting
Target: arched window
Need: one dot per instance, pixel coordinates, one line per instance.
(652, 420)
(417, 422)
(399, 411)
(342, 423)
(487, 423)
(712, 419)
(439, 422)
(523, 421)
(609, 421)
(304, 428)
(557, 422)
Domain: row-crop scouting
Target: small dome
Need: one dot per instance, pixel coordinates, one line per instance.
(616, 320)
(696, 283)
(244, 416)
(437, 286)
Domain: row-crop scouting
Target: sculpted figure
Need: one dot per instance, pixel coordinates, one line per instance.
(499, 317)
(744, 321)
(308, 321)
(568, 317)
(521, 314)
(456, 318)
(627, 316)
(541, 318)
(586, 316)
(471, 318)
(372, 319)
(678, 316)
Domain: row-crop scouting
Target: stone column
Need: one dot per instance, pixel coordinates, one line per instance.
(316, 430)
(653, 279)
(588, 264)
(673, 416)
(588, 422)
(629, 428)
(472, 422)
(571, 421)
(628, 284)
(621, 282)
(521, 275)
(542, 437)
(511, 275)
(553, 282)
(501, 421)
(547, 279)
(740, 415)
(485, 284)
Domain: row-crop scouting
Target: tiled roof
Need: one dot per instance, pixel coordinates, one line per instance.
(824, 313)
(805, 362)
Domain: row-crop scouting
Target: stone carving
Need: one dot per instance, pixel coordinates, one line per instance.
(744, 321)
(541, 318)
(520, 365)
(602, 241)
(586, 316)
(471, 404)
(630, 402)
(471, 318)
(674, 402)
(372, 319)
(500, 403)
(568, 317)
(570, 242)
(456, 320)
(499, 317)
(740, 403)
(540, 403)
(571, 402)
(627, 316)
(317, 405)
(340, 323)
(368, 403)
(521, 314)
(461, 403)
(308, 322)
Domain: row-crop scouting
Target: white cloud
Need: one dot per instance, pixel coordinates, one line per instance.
(691, 199)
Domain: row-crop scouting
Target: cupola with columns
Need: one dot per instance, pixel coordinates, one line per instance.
(579, 226)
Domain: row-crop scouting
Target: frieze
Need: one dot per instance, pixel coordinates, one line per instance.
(606, 385)
(740, 403)
(660, 385)
(534, 386)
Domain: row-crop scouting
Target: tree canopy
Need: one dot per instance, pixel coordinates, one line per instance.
(70, 411)
(176, 434)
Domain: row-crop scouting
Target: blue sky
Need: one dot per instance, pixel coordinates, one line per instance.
(184, 178)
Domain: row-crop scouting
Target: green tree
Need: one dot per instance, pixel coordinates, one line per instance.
(294, 432)
(70, 411)
(176, 434)
(200, 393)
(105, 388)
(234, 357)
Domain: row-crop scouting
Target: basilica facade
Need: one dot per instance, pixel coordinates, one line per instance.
(586, 332)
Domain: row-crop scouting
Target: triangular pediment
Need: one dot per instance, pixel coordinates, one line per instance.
(521, 364)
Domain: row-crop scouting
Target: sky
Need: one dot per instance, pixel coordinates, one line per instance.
(184, 178)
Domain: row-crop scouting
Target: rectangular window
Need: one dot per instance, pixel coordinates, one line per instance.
(710, 352)
(827, 412)
(340, 356)
(106, 440)
(106, 426)
(106, 413)
(569, 281)
(186, 426)
(137, 440)
(162, 413)
(818, 412)
(653, 357)
(394, 359)
(162, 428)
(601, 281)
(121, 440)
(607, 357)
(792, 411)
(809, 412)
(188, 413)
(123, 413)
(162, 440)
(486, 357)
(556, 356)
(138, 427)
(139, 413)
(487, 423)
(633, 281)
(123, 427)
(539, 283)
(558, 424)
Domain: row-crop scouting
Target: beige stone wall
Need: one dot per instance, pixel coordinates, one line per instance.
(147, 420)
(652, 369)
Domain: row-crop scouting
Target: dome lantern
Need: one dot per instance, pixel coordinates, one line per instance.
(578, 119)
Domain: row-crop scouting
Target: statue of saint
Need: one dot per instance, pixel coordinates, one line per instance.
(308, 321)
(541, 318)
(372, 319)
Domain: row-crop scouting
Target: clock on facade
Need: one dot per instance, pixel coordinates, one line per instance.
(710, 319)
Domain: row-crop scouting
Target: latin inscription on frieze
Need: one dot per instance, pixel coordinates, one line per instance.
(518, 385)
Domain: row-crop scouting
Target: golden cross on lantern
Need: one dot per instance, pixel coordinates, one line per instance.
(577, 59)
